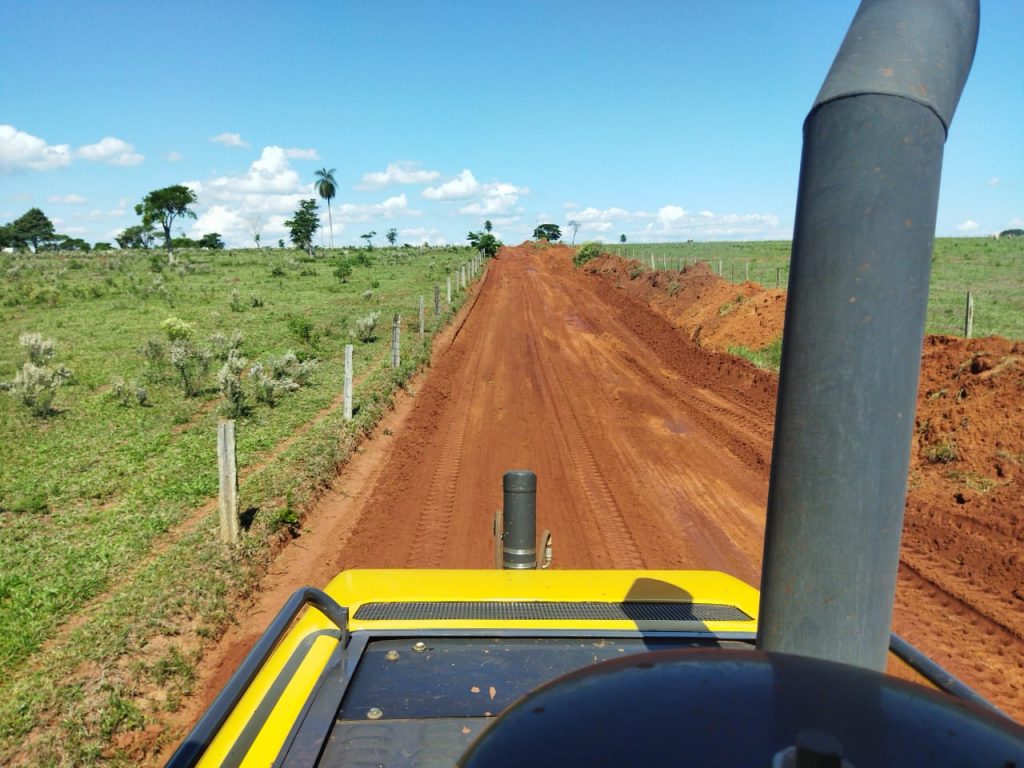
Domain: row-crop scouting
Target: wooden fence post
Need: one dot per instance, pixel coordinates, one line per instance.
(778, 277)
(969, 316)
(228, 472)
(422, 317)
(437, 300)
(396, 358)
(448, 282)
(719, 267)
(746, 272)
(652, 261)
(348, 383)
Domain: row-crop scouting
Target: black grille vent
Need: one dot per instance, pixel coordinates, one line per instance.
(523, 610)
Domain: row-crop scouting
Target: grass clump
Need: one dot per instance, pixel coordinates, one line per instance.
(768, 357)
(942, 452)
(587, 252)
(366, 327)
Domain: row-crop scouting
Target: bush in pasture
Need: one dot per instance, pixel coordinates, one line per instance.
(36, 386)
(587, 252)
(141, 395)
(222, 347)
(121, 392)
(367, 295)
(366, 327)
(255, 301)
(288, 366)
(343, 270)
(39, 350)
(155, 353)
(302, 327)
(236, 302)
(268, 388)
(192, 365)
(177, 329)
(229, 379)
(635, 271)
(277, 270)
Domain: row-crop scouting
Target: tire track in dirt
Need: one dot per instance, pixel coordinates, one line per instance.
(620, 546)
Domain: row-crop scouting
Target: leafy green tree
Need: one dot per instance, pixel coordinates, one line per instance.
(7, 238)
(392, 236)
(575, 228)
(163, 206)
(137, 236)
(303, 225)
(213, 241)
(368, 237)
(549, 232)
(488, 226)
(622, 238)
(33, 228)
(485, 242)
(101, 246)
(182, 241)
(326, 186)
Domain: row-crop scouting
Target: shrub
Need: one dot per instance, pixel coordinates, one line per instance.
(269, 389)
(236, 302)
(177, 329)
(303, 329)
(343, 270)
(120, 392)
(366, 327)
(221, 347)
(288, 366)
(229, 379)
(587, 252)
(635, 271)
(40, 351)
(255, 301)
(141, 395)
(277, 270)
(673, 288)
(192, 365)
(367, 295)
(36, 386)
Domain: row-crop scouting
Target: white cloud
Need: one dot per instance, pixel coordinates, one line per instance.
(399, 173)
(669, 214)
(71, 199)
(993, 181)
(497, 198)
(174, 156)
(112, 151)
(271, 190)
(706, 214)
(1017, 221)
(967, 226)
(295, 153)
(230, 140)
(20, 151)
(590, 214)
(418, 235)
(462, 187)
(74, 230)
(569, 206)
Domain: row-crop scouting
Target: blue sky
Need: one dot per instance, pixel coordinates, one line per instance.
(659, 120)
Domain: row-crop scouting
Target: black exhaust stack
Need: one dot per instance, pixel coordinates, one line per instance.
(858, 290)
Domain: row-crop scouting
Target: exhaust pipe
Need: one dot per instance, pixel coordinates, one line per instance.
(519, 520)
(858, 290)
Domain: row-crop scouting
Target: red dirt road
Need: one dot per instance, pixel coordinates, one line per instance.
(640, 463)
(651, 452)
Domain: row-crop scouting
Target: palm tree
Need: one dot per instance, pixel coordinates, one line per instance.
(326, 186)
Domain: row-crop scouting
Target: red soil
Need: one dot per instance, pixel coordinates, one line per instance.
(652, 449)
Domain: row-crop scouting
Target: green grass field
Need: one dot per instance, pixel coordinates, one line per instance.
(89, 493)
(993, 270)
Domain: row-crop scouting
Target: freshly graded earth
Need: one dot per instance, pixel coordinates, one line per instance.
(652, 448)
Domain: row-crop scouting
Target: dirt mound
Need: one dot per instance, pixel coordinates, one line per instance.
(961, 586)
(713, 311)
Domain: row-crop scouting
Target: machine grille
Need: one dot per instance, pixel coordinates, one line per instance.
(529, 610)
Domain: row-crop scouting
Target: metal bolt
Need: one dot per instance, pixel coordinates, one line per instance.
(391, 655)
(419, 646)
(374, 713)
